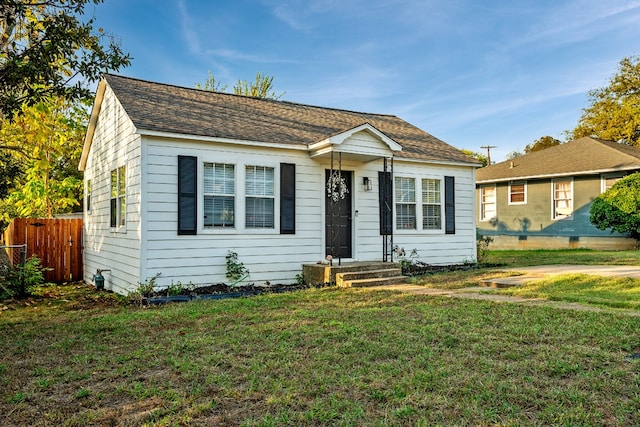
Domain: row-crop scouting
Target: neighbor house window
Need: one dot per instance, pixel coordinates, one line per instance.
(609, 180)
(219, 195)
(405, 203)
(118, 197)
(562, 198)
(517, 193)
(487, 203)
(259, 185)
(431, 204)
(88, 196)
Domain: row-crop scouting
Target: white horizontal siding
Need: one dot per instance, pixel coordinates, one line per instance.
(269, 256)
(364, 143)
(438, 247)
(150, 244)
(114, 144)
(200, 259)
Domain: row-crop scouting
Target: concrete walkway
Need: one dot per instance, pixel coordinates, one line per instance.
(541, 271)
(484, 291)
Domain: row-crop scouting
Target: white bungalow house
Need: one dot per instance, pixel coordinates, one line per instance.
(175, 178)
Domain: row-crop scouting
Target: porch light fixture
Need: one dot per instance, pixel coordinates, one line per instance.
(366, 182)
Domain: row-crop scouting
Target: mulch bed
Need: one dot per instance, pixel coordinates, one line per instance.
(419, 268)
(221, 291)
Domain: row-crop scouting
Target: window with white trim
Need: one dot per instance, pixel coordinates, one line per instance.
(487, 203)
(609, 180)
(118, 205)
(431, 204)
(518, 193)
(219, 195)
(562, 198)
(259, 202)
(405, 189)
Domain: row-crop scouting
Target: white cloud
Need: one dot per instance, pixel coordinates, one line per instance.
(234, 55)
(190, 36)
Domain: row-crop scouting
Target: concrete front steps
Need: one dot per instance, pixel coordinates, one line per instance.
(360, 279)
(354, 274)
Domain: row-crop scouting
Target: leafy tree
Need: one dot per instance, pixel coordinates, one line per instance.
(514, 154)
(51, 134)
(46, 48)
(478, 156)
(541, 144)
(614, 111)
(618, 208)
(211, 84)
(10, 173)
(261, 88)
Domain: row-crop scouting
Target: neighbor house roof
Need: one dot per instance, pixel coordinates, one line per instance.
(579, 157)
(163, 108)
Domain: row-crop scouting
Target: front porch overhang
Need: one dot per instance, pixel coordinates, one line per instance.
(363, 143)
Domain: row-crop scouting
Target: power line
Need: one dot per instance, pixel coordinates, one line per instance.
(488, 147)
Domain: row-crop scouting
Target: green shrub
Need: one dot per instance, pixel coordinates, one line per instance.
(482, 245)
(144, 290)
(175, 289)
(235, 269)
(19, 281)
(618, 208)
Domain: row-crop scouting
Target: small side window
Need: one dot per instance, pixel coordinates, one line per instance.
(517, 193)
(118, 197)
(88, 196)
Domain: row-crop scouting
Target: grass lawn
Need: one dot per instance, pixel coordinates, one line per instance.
(315, 357)
(613, 292)
(563, 256)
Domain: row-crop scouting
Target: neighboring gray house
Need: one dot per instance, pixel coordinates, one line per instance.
(177, 177)
(542, 199)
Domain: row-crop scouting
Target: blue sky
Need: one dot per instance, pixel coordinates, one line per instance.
(470, 72)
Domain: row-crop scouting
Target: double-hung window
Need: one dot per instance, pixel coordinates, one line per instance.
(259, 202)
(118, 197)
(405, 189)
(562, 198)
(487, 203)
(431, 204)
(517, 193)
(219, 195)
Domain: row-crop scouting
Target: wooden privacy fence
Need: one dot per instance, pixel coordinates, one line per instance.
(57, 242)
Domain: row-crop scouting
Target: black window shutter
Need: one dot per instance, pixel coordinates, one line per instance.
(449, 205)
(287, 198)
(385, 193)
(187, 194)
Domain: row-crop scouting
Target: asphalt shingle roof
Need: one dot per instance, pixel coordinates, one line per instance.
(173, 109)
(581, 156)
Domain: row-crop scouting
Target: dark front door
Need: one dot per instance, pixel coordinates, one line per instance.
(338, 215)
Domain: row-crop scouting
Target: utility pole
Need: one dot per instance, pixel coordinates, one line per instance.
(488, 147)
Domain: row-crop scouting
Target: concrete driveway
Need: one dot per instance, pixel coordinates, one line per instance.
(541, 271)
(528, 274)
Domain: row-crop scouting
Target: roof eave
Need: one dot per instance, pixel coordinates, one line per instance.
(343, 136)
(91, 128)
(183, 136)
(557, 175)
